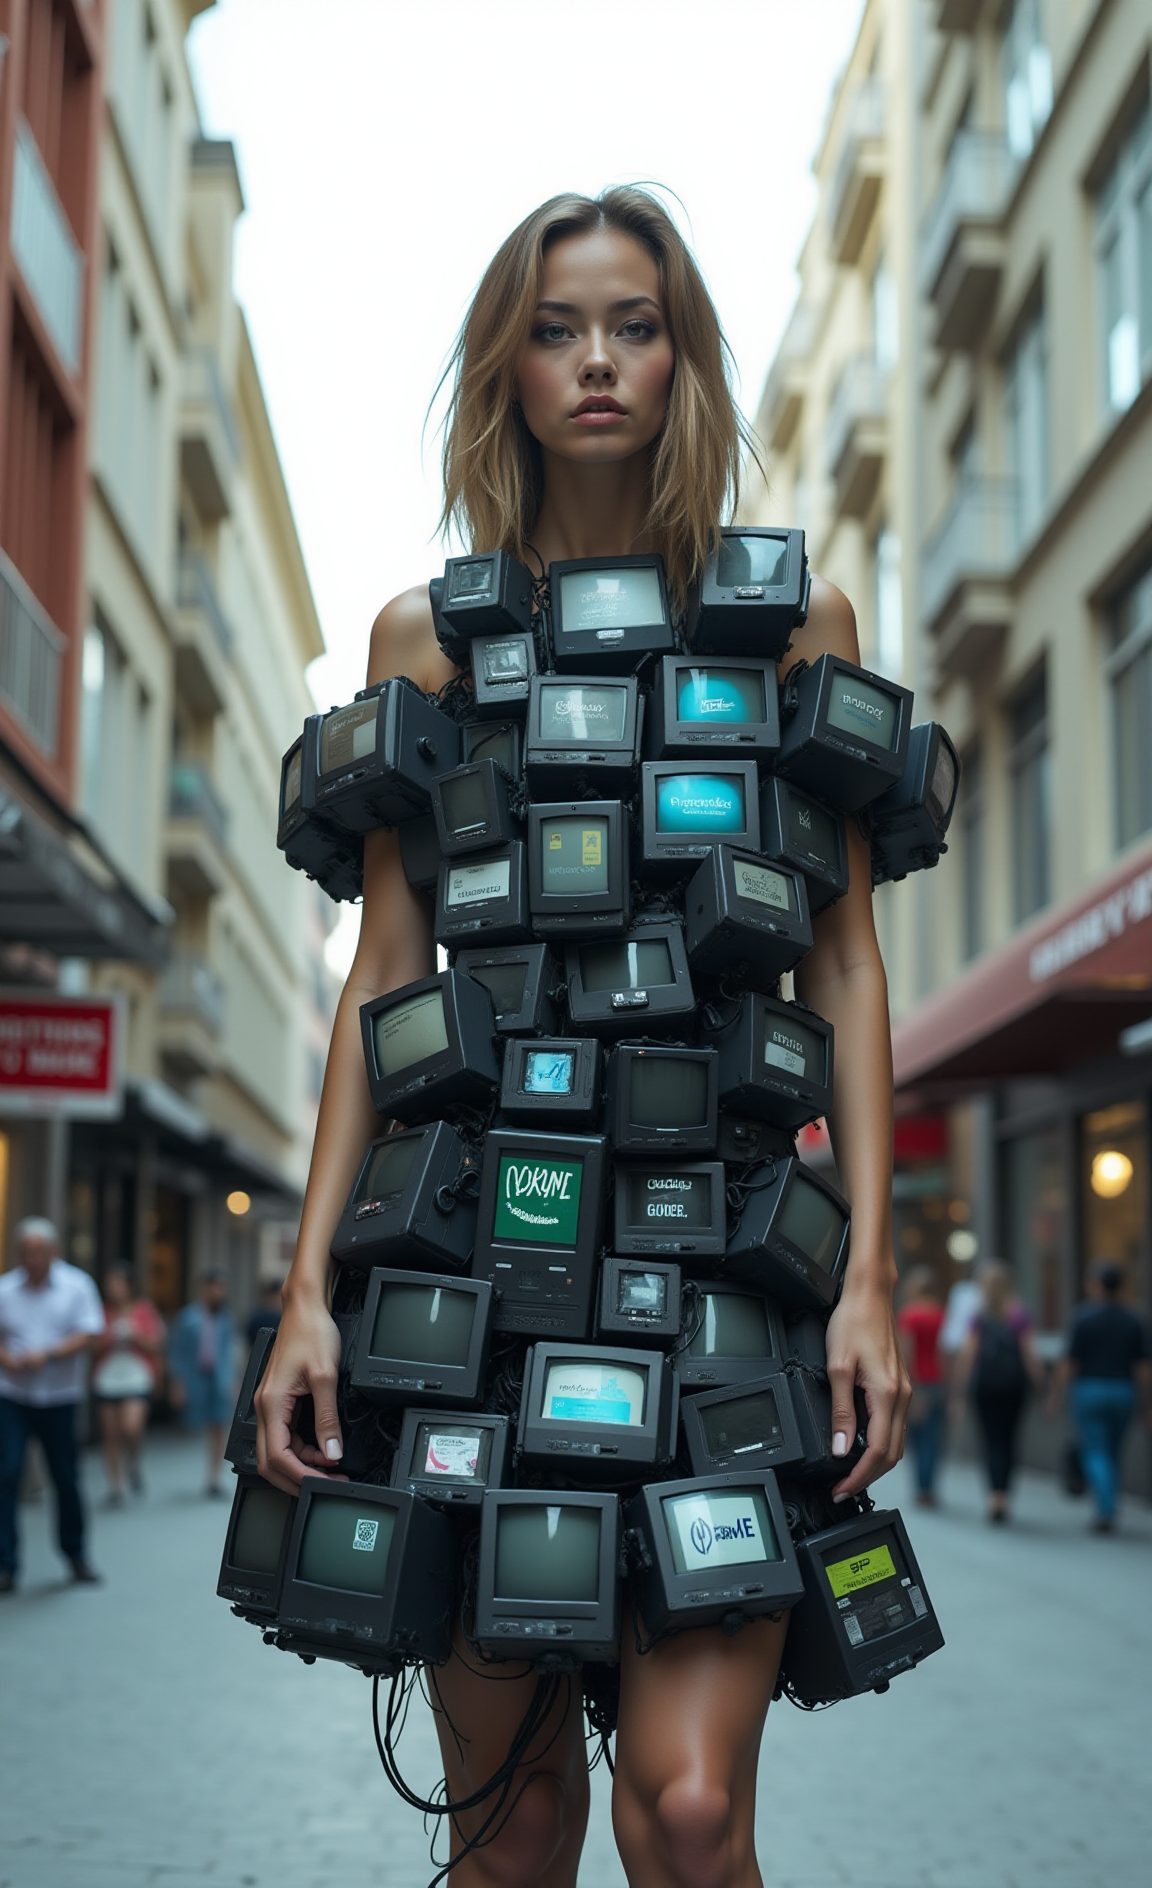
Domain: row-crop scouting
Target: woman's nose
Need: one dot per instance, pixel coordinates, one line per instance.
(597, 364)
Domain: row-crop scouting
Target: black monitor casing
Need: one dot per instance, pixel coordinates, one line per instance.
(454, 1486)
(409, 1380)
(412, 1620)
(662, 1230)
(812, 1407)
(420, 852)
(909, 821)
(744, 910)
(656, 1008)
(718, 1370)
(579, 1107)
(603, 1450)
(711, 733)
(807, 1338)
(429, 1221)
(489, 740)
(743, 1139)
(241, 1446)
(485, 593)
(845, 767)
(639, 1302)
(798, 831)
(763, 1253)
(628, 1132)
(759, 1048)
(706, 1595)
(559, 765)
(412, 742)
(502, 668)
(493, 823)
(855, 1632)
(555, 1633)
(252, 1589)
(608, 648)
(579, 914)
(545, 1279)
(465, 1073)
(763, 1432)
(483, 900)
(310, 843)
(672, 852)
(752, 618)
(537, 1011)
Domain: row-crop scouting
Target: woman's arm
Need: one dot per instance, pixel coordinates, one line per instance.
(843, 979)
(395, 947)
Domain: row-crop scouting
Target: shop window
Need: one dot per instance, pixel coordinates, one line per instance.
(1036, 1192)
(1123, 243)
(1129, 670)
(168, 1282)
(1114, 1169)
(1030, 771)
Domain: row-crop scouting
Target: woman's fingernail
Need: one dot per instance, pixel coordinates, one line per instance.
(840, 1497)
(840, 1443)
(332, 1449)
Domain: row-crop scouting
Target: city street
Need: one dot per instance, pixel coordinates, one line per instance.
(150, 1738)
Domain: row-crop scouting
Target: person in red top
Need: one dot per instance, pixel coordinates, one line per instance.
(919, 1321)
(124, 1377)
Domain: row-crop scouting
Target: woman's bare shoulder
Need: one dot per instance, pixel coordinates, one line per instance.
(831, 626)
(404, 642)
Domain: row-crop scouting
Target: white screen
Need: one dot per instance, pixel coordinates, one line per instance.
(580, 1391)
(714, 1530)
(475, 884)
(610, 599)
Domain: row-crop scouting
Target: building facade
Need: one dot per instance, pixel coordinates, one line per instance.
(1016, 463)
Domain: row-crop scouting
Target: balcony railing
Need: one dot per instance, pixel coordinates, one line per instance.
(47, 253)
(861, 395)
(190, 987)
(31, 654)
(976, 187)
(856, 180)
(196, 590)
(976, 541)
(191, 795)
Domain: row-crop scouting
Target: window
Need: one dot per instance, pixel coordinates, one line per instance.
(129, 402)
(1124, 267)
(1026, 70)
(115, 721)
(1114, 1190)
(1026, 415)
(970, 820)
(1030, 767)
(889, 605)
(1129, 670)
(885, 318)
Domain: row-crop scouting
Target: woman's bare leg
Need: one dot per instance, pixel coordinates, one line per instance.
(134, 1416)
(691, 1716)
(478, 1712)
(110, 1436)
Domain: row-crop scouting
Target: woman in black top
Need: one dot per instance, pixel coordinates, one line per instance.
(1108, 1357)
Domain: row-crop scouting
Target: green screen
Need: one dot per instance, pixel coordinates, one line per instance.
(538, 1201)
(346, 1545)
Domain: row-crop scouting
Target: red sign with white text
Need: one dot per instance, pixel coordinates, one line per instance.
(60, 1055)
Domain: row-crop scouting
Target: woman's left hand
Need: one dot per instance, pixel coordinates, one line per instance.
(864, 1351)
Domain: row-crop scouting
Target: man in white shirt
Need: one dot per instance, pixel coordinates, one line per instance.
(50, 1318)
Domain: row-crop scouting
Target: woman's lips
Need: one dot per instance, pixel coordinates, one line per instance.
(599, 416)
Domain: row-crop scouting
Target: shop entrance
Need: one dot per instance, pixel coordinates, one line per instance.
(1114, 1189)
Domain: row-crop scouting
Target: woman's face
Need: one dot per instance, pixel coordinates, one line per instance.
(117, 1293)
(594, 376)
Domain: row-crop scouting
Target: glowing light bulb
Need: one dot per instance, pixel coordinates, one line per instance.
(1111, 1173)
(238, 1203)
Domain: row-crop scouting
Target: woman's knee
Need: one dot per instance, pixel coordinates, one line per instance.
(688, 1822)
(532, 1835)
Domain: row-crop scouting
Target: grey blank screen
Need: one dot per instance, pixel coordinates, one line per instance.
(389, 1168)
(425, 1324)
(812, 1222)
(548, 1553)
(410, 1032)
(732, 1325)
(625, 966)
(741, 1422)
(504, 984)
(751, 560)
(667, 1093)
(264, 1514)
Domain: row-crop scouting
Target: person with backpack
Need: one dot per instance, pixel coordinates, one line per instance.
(1107, 1366)
(997, 1367)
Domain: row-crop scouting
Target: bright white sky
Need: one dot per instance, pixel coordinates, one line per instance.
(387, 147)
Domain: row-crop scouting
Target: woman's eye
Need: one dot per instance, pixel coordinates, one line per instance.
(638, 330)
(549, 331)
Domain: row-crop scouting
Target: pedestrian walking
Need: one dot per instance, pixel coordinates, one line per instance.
(124, 1377)
(998, 1366)
(202, 1368)
(920, 1321)
(50, 1319)
(266, 1313)
(1108, 1367)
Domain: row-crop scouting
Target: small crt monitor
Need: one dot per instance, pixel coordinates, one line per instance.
(484, 898)
(412, 1203)
(812, 1408)
(500, 741)
(523, 981)
(502, 668)
(792, 1237)
(731, 1335)
(309, 842)
(471, 808)
(578, 880)
(608, 612)
(669, 1206)
(910, 821)
(538, 1233)
(747, 1425)
(258, 1528)
(702, 711)
(369, 1575)
(486, 593)
(639, 1301)
(583, 732)
(423, 1338)
(241, 1448)
(753, 594)
(547, 1587)
(662, 1099)
(450, 1457)
(420, 853)
(377, 757)
(685, 811)
(744, 910)
(846, 737)
(428, 1045)
(595, 1409)
(639, 981)
(797, 830)
(552, 1081)
(718, 1550)
(775, 1061)
(866, 1615)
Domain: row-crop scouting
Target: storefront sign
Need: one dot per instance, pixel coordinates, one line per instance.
(61, 1055)
(1111, 918)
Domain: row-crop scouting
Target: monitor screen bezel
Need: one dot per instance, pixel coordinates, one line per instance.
(447, 1489)
(790, 1451)
(538, 1008)
(825, 884)
(510, 597)
(367, 1226)
(567, 915)
(751, 1086)
(468, 1063)
(503, 919)
(895, 756)
(630, 1137)
(292, 814)
(720, 1372)
(699, 1243)
(615, 1326)
(541, 754)
(689, 1594)
(715, 595)
(758, 1249)
(497, 827)
(571, 649)
(723, 928)
(600, 1616)
(495, 701)
(676, 738)
(581, 1106)
(473, 732)
(241, 1447)
(499, 1254)
(364, 1621)
(647, 1445)
(253, 1592)
(667, 1003)
(875, 1660)
(399, 1379)
(683, 848)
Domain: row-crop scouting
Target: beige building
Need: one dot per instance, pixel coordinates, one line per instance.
(1011, 187)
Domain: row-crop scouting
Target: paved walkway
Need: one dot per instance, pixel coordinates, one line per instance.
(146, 1737)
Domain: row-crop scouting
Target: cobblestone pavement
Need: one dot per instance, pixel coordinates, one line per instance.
(146, 1737)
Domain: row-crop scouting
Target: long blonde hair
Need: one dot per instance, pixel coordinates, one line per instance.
(493, 472)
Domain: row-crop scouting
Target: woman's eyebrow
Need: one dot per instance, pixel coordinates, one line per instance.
(614, 308)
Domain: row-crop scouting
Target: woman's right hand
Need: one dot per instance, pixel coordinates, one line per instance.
(305, 1360)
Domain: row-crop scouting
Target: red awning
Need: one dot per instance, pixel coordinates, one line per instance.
(1058, 994)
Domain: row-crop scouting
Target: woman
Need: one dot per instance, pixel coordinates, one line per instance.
(124, 1374)
(999, 1365)
(592, 416)
(920, 1322)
